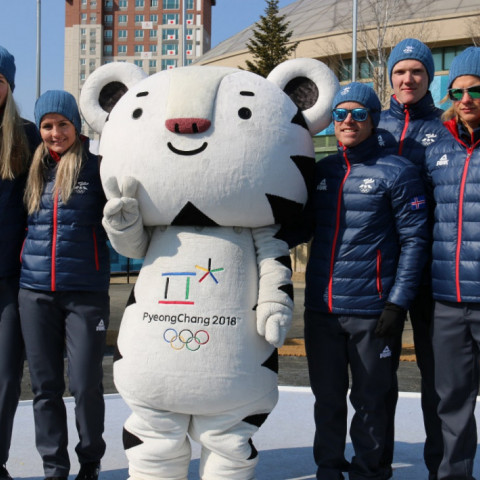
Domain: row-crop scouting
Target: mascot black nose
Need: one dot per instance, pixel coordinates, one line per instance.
(187, 125)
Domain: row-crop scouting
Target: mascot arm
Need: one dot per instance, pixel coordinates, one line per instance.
(275, 293)
(122, 219)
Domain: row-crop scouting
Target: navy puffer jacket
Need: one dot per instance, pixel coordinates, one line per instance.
(65, 248)
(453, 166)
(370, 232)
(407, 130)
(13, 217)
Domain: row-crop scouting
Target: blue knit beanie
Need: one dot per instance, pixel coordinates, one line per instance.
(58, 101)
(360, 93)
(7, 66)
(467, 63)
(412, 49)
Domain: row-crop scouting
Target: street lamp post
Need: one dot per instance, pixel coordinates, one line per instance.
(354, 41)
(38, 45)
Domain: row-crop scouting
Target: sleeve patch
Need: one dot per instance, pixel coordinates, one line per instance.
(418, 203)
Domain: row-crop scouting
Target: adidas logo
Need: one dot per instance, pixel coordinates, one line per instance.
(101, 326)
(386, 352)
(322, 186)
(443, 161)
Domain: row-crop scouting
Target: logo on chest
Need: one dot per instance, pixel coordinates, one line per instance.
(367, 185)
(81, 187)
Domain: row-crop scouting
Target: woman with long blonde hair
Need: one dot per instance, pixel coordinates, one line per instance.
(64, 280)
(18, 138)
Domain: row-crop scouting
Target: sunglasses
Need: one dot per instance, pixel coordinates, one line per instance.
(358, 114)
(456, 94)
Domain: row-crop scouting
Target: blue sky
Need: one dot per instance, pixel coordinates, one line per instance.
(18, 23)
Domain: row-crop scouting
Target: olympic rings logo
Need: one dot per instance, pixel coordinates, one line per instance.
(186, 338)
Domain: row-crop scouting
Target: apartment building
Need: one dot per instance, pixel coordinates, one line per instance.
(154, 34)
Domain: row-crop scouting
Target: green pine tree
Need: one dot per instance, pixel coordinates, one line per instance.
(269, 44)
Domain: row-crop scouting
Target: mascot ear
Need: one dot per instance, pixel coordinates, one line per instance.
(311, 85)
(104, 88)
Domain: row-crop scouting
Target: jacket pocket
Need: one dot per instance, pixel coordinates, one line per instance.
(379, 273)
(95, 249)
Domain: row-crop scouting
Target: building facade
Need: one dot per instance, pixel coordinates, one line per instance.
(153, 34)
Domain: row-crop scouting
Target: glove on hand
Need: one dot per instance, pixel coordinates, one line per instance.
(390, 323)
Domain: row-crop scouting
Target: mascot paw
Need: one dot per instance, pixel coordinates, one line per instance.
(273, 322)
(121, 212)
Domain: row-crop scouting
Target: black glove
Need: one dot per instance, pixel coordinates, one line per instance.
(390, 323)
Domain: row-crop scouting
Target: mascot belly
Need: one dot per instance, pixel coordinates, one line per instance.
(189, 342)
(203, 167)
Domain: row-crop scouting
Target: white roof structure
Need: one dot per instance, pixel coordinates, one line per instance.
(317, 23)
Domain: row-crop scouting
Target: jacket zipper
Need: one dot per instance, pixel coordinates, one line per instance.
(95, 249)
(405, 127)
(54, 240)
(337, 228)
(379, 273)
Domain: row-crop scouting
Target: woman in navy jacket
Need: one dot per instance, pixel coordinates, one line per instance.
(453, 165)
(18, 140)
(369, 242)
(64, 302)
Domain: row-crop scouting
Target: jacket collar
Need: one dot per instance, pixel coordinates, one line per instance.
(422, 108)
(362, 152)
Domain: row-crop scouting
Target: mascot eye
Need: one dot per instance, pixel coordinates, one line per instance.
(245, 113)
(137, 113)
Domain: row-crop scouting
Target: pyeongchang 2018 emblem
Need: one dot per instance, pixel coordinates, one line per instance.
(206, 273)
(186, 339)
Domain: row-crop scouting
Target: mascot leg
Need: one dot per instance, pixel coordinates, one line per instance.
(157, 445)
(228, 452)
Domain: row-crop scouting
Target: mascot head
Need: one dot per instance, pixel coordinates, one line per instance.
(211, 145)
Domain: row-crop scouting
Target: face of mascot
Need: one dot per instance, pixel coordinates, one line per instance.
(212, 145)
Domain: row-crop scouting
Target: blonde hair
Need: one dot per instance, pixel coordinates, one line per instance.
(14, 148)
(66, 176)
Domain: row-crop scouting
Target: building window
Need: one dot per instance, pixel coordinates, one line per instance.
(122, 34)
(139, 48)
(154, 18)
(189, 4)
(108, 34)
(168, 64)
(189, 48)
(154, 3)
(138, 63)
(84, 3)
(153, 33)
(170, 34)
(170, 19)
(83, 32)
(139, 3)
(83, 46)
(82, 76)
(152, 48)
(138, 34)
(83, 18)
(139, 18)
(82, 62)
(107, 50)
(170, 4)
(122, 49)
(122, 18)
(152, 63)
(108, 19)
(91, 64)
(169, 49)
(189, 18)
(442, 57)
(123, 3)
(365, 70)
(93, 3)
(108, 4)
(93, 18)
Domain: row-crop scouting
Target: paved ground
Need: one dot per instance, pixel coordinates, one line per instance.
(293, 369)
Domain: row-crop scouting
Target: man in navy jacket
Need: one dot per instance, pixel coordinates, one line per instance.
(407, 128)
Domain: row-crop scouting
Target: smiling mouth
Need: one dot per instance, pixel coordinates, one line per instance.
(187, 152)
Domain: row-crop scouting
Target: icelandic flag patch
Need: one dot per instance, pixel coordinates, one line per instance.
(417, 203)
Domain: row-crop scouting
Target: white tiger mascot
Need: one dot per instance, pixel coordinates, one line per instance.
(201, 166)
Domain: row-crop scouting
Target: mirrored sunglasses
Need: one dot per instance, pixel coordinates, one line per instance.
(456, 94)
(358, 114)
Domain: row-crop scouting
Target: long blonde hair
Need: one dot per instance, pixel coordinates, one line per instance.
(14, 148)
(66, 177)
